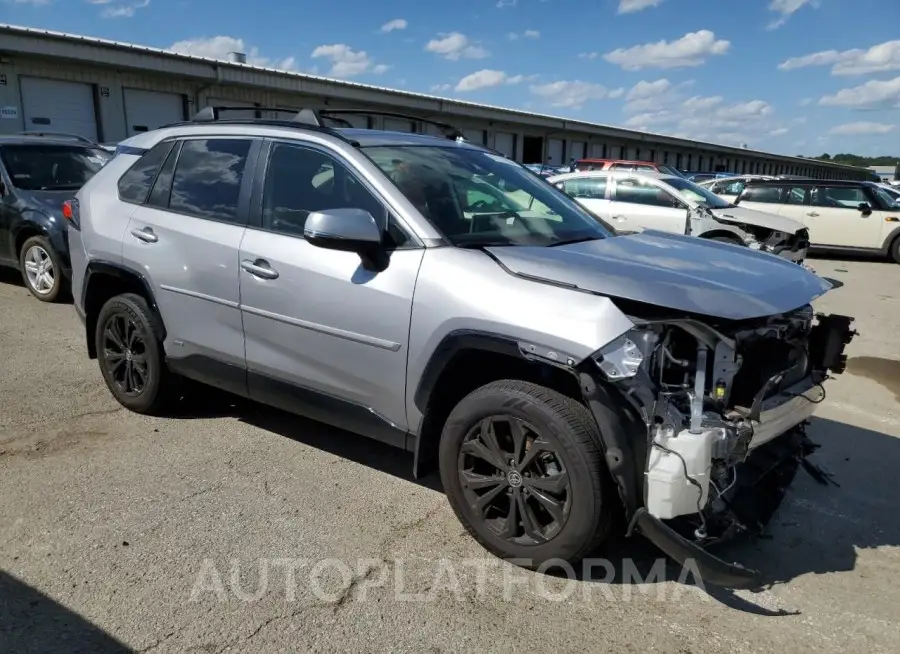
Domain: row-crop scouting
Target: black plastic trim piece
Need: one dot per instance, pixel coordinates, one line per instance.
(130, 149)
(210, 371)
(324, 408)
(712, 569)
(623, 448)
(450, 346)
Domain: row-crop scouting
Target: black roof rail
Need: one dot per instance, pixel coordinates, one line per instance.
(304, 119)
(447, 129)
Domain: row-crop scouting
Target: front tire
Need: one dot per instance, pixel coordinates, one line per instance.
(130, 353)
(522, 469)
(895, 250)
(41, 269)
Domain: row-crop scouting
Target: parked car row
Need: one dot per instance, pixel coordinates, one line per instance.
(430, 293)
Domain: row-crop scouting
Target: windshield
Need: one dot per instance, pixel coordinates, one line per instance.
(52, 167)
(889, 198)
(696, 193)
(475, 198)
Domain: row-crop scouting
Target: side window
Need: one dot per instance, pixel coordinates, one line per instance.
(838, 197)
(622, 166)
(640, 191)
(645, 167)
(796, 195)
(207, 179)
(592, 188)
(301, 180)
(729, 188)
(766, 194)
(135, 184)
(162, 187)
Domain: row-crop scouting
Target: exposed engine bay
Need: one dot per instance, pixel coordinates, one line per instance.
(725, 408)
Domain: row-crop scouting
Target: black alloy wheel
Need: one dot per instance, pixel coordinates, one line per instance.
(514, 480)
(125, 354)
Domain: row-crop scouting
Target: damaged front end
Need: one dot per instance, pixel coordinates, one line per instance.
(713, 426)
(792, 247)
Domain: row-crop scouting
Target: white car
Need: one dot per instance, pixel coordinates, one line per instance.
(635, 201)
(892, 191)
(842, 216)
(728, 188)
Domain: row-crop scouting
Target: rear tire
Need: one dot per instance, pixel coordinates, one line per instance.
(522, 469)
(895, 250)
(41, 269)
(131, 356)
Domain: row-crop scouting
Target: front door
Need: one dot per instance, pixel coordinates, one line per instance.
(834, 219)
(325, 337)
(638, 203)
(9, 215)
(185, 239)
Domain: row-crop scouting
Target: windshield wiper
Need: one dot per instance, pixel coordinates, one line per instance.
(580, 239)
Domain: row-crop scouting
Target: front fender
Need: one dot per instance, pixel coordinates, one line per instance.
(463, 291)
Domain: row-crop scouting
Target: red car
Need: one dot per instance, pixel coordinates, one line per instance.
(624, 164)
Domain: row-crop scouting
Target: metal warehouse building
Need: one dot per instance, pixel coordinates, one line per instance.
(107, 91)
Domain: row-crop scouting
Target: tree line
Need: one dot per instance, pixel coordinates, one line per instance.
(857, 160)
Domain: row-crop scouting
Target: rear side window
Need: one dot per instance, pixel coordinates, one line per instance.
(207, 179)
(838, 197)
(135, 184)
(767, 194)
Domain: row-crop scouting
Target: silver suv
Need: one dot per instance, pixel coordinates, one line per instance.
(434, 295)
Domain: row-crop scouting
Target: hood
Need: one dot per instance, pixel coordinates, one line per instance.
(49, 202)
(668, 270)
(758, 218)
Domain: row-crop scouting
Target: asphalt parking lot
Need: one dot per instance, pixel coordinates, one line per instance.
(120, 532)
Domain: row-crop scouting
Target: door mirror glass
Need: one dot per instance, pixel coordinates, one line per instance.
(864, 208)
(350, 230)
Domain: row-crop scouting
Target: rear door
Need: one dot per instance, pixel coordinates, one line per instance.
(186, 239)
(834, 219)
(637, 203)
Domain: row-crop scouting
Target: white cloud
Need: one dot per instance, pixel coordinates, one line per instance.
(589, 55)
(786, 8)
(692, 49)
(877, 59)
(487, 78)
(455, 46)
(221, 47)
(438, 88)
(572, 94)
(871, 95)
(36, 3)
(347, 62)
(121, 10)
(662, 106)
(631, 6)
(527, 34)
(616, 93)
(506, 3)
(861, 128)
(781, 131)
(396, 24)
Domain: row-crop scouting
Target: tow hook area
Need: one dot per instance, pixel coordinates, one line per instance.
(712, 569)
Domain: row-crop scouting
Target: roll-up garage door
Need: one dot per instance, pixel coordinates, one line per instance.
(223, 102)
(398, 125)
(597, 151)
(576, 149)
(51, 105)
(505, 143)
(555, 152)
(146, 110)
(474, 135)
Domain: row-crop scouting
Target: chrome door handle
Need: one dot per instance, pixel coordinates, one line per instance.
(812, 213)
(146, 235)
(259, 268)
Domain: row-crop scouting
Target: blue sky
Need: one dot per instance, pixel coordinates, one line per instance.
(790, 76)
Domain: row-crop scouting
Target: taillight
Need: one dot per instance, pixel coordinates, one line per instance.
(70, 212)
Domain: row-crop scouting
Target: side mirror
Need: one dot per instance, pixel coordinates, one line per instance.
(864, 208)
(348, 230)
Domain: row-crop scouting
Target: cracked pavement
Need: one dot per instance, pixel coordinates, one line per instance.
(234, 527)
